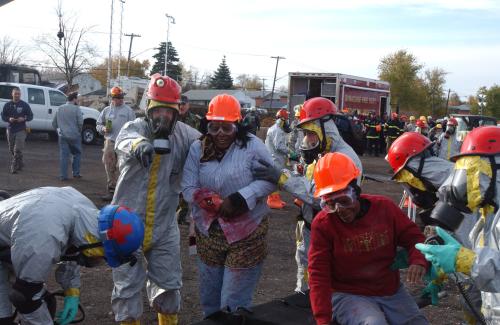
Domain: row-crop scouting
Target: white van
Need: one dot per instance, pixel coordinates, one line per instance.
(44, 103)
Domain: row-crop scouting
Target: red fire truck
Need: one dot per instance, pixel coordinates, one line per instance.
(349, 93)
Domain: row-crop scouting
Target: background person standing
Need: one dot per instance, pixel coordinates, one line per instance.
(16, 113)
(109, 123)
(68, 122)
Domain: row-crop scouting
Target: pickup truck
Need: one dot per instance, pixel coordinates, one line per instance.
(44, 102)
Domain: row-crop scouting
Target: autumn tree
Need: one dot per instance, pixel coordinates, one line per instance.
(137, 69)
(222, 77)
(72, 54)
(401, 69)
(10, 51)
(245, 81)
(434, 81)
(174, 67)
(492, 102)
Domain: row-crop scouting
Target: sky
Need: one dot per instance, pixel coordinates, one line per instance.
(460, 36)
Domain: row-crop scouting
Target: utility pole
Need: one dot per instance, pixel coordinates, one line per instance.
(130, 50)
(447, 101)
(263, 87)
(166, 45)
(120, 46)
(108, 78)
(278, 58)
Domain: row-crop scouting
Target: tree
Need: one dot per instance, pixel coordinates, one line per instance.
(434, 84)
(492, 107)
(10, 51)
(174, 68)
(222, 77)
(72, 54)
(474, 104)
(137, 69)
(245, 81)
(454, 100)
(401, 70)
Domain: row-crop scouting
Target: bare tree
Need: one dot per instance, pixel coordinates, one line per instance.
(71, 53)
(10, 51)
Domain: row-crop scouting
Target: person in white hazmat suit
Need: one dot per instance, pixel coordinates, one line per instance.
(320, 136)
(422, 174)
(39, 228)
(295, 137)
(448, 144)
(276, 144)
(151, 153)
(473, 186)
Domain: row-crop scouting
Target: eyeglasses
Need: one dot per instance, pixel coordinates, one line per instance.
(339, 200)
(224, 128)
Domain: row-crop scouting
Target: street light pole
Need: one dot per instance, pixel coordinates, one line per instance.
(165, 70)
(118, 76)
(108, 78)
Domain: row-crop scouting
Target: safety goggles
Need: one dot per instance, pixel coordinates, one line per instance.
(213, 128)
(344, 199)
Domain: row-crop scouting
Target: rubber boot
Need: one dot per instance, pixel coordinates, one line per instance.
(167, 319)
(132, 322)
(274, 201)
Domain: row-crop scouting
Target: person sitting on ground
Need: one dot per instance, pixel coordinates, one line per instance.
(353, 245)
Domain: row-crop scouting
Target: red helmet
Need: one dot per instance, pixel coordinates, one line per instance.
(421, 124)
(282, 113)
(452, 121)
(394, 115)
(164, 89)
(481, 141)
(316, 108)
(408, 145)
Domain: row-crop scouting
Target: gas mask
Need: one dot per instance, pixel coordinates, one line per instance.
(162, 122)
(473, 183)
(285, 126)
(78, 255)
(450, 130)
(310, 152)
(421, 191)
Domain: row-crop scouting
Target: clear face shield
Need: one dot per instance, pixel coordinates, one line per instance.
(310, 147)
(162, 121)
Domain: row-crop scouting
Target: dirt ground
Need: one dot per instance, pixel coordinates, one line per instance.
(278, 279)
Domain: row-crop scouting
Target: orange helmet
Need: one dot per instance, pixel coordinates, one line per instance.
(282, 113)
(408, 145)
(116, 92)
(316, 108)
(333, 173)
(164, 89)
(224, 107)
(452, 121)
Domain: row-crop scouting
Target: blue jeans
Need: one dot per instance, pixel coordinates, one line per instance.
(222, 287)
(397, 309)
(67, 147)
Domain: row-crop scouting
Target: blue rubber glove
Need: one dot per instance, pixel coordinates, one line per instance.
(442, 256)
(432, 290)
(68, 314)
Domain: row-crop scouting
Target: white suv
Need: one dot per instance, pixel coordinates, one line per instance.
(44, 103)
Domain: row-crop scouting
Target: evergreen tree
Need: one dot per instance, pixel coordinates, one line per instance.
(174, 68)
(222, 77)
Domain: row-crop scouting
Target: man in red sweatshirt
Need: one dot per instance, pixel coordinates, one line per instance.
(353, 244)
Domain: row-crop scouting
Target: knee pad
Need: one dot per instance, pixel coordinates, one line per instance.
(169, 302)
(26, 296)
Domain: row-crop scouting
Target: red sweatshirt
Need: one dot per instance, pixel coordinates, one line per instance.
(355, 258)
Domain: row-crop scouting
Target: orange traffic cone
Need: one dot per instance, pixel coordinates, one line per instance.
(274, 201)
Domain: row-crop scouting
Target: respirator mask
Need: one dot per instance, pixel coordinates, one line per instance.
(162, 122)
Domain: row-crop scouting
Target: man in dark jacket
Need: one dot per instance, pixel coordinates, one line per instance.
(16, 112)
(392, 129)
(373, 130)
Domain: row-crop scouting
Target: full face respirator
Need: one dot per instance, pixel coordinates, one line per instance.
(162, 121)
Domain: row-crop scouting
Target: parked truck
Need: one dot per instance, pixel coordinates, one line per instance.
(349, 93)
(44, 102)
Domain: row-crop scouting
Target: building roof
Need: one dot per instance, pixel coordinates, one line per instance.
(276, 104)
